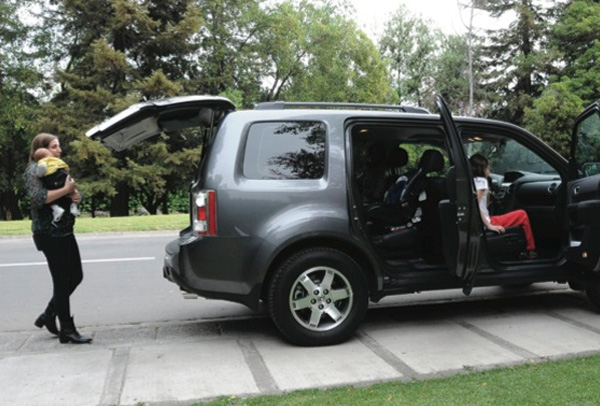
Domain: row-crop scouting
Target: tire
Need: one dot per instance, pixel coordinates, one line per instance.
(592, 291)
(319, 296)
(576, 286)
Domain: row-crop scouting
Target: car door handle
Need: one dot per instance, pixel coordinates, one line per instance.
(576, 190)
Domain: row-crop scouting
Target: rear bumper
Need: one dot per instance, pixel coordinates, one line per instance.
(207, 278)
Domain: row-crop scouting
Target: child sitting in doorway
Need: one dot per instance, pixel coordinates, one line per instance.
(480, 166)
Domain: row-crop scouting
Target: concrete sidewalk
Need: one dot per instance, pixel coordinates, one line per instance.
(181, 363)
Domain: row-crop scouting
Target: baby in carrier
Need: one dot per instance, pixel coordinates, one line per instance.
(53, 173)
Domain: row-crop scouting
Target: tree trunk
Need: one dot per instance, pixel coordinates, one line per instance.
(165, 204)
(9, 208)
(119, 204)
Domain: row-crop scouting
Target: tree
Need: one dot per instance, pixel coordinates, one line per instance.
(410, 46)
(313, 52)
(516, 62)
(18, 80)
(451, 75)
(575, 39)
(118, 52)
(228, 55)
(553, 115)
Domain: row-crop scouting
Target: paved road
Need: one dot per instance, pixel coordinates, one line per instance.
(123, 284)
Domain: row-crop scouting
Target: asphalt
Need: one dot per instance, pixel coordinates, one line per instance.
(179, 363)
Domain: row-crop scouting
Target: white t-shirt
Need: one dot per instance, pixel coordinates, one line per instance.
(482, 184)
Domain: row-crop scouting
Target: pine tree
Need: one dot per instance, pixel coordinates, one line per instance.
(115, 53)
(515, 58)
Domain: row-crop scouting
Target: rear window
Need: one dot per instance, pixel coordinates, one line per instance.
(285, 150)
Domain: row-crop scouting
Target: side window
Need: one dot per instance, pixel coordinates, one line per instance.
(285, 150)
(506, 154)
(587, 149)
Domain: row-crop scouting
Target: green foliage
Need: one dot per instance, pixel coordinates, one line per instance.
(103, 224)
(124, 51)
(553, 115)
(313, 52)
(410, 46)
(516, 57)
(229, 56)
(451, 75)
(18, 79)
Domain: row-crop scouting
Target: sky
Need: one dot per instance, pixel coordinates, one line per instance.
(443, 14)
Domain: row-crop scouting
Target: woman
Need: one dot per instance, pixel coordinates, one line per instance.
(480, 166)
(57, 242)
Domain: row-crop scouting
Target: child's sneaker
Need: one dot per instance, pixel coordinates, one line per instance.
(57, 213)
(529, 255)
(75, 210)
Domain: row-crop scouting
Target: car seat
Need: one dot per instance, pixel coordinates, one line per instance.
(413, 237)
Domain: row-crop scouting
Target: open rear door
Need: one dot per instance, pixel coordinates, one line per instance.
(583, 190)
(469, 232)
(147, 119)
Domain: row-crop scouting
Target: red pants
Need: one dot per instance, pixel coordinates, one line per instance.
(516, 218)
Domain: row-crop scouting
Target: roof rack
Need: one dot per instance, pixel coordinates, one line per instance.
(280, 105)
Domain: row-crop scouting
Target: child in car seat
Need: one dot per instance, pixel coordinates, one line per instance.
(53, 172)
(480, 166)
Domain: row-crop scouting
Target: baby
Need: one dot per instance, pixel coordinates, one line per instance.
(54, 171)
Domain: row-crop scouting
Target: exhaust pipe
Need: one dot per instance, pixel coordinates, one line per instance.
(188, 295)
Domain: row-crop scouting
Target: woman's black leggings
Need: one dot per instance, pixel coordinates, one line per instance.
(64, 261)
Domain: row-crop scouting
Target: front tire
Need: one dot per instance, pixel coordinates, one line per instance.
(592, 291)
(318, 296)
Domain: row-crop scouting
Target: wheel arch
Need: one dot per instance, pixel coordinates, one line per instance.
(366, 264)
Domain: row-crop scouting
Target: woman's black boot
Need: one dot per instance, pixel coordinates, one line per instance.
(48, 319)
(68, 333)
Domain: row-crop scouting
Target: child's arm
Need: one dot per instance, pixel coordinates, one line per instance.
(486, 223)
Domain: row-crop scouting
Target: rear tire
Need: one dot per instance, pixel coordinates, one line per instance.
(318, 296)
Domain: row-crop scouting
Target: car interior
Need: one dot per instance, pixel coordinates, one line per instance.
(403, 181)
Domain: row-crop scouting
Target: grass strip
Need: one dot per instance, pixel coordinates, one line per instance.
(107, 224)
(565, 382)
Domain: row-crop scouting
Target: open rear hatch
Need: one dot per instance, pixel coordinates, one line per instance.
(147, 119)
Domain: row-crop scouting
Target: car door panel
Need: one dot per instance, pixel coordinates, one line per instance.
(583, 191)
(467, 221)
(584, 217)
(542, 202)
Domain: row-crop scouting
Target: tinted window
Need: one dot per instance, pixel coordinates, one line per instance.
(587, 148)
(285, 150)
(506, 154)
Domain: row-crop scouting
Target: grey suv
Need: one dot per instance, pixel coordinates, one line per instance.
(315, 209)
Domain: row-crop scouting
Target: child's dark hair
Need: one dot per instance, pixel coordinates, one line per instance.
(479, 164)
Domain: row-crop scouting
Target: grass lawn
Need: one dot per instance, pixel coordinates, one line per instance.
(565, 382)
(107, 224)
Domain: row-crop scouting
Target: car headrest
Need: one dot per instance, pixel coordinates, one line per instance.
(431, 161)
(398, 157)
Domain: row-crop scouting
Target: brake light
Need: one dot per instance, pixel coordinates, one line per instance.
(205, 219)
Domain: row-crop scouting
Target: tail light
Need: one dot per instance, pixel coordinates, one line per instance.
(205, 213)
